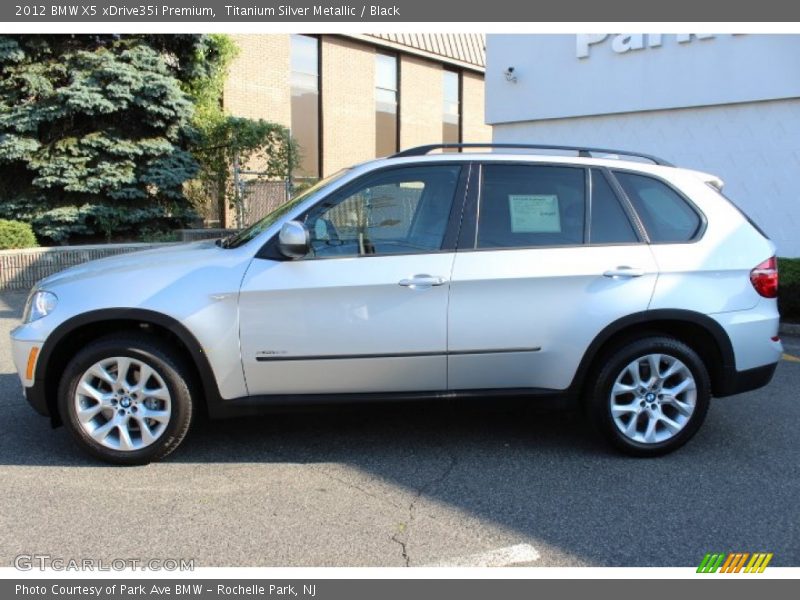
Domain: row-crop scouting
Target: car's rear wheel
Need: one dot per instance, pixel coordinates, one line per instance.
(126, 400)
(650, 396)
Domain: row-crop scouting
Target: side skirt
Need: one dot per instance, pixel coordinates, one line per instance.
(255, 405)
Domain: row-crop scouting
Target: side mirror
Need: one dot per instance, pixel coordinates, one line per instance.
(294, 240)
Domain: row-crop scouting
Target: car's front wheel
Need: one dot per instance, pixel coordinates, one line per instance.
(650, 396)
(126, 400)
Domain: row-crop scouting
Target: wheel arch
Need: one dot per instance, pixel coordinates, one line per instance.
(80, 330)
(700, 332)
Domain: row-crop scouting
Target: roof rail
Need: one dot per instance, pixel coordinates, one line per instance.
(583, 151)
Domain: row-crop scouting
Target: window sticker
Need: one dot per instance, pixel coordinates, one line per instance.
(534, 213)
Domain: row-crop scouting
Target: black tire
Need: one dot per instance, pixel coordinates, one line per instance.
(601, 382)
(166, 364)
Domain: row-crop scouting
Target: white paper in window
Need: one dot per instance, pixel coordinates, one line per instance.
(534, 213)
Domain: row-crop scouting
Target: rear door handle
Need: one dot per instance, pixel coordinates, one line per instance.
(624, 271)
(419, 281)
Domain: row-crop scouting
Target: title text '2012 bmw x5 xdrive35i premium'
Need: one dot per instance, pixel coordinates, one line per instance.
(611, 279)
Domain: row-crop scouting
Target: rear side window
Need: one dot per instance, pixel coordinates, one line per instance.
(609, 224)
(666, 216)
(523, 206)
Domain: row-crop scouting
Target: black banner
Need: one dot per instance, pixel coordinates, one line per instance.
(390, 589)
(396, 11)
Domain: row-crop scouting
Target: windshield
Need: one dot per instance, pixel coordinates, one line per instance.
(245, 235)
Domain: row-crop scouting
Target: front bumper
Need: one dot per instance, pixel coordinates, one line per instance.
(34, 389)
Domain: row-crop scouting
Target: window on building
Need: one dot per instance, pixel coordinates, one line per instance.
(305, 103)
(386, 96)
(451, 109)
(666, 216)
(527, 206)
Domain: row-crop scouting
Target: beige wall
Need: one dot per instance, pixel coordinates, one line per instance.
(348, 103)
(259, 87)
(420, 102)
(472, 110)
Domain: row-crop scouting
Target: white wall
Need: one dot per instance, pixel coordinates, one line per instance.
(561, 76)
(753, 147)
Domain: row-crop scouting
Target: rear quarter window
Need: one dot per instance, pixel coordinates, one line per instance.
(666, 215)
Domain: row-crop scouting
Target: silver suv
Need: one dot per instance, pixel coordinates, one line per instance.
(612, 280)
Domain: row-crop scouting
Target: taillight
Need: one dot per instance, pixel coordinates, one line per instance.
(764, 278)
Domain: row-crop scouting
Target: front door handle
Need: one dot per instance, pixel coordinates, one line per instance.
(624, 271)
(422, 281)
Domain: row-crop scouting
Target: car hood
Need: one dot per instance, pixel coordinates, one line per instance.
(165, 257)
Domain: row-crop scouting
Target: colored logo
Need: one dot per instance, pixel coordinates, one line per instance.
(735, 562)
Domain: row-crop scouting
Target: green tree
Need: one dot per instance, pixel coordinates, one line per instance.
(95, 130)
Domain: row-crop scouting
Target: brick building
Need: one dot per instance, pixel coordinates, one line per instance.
(351, 98)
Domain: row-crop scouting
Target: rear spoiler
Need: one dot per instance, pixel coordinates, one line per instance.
(710, 179)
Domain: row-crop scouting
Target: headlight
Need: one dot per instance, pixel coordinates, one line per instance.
(40, 304)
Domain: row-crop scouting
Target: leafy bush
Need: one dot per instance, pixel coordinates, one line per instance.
(789, 290)
(15, 234)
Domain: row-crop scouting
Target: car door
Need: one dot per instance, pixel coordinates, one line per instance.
(552, 258)
(366, 310)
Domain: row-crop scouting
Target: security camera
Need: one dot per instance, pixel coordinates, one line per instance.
(509, 73)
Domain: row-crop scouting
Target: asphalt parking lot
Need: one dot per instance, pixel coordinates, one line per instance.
(410, 485)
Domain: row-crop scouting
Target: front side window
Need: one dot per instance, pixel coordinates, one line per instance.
(402, 211)
(666, 216)
(523, 206)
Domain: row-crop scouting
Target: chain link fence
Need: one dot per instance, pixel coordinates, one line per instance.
(260, 197)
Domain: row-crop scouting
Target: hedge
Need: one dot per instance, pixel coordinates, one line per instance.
(15, 234)
(789, 289)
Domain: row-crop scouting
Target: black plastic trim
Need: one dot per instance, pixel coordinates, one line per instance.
(36, 398)
(739, 382)
(280, 357)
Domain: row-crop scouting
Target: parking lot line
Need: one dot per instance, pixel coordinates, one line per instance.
(501, 557)
(791, 358)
